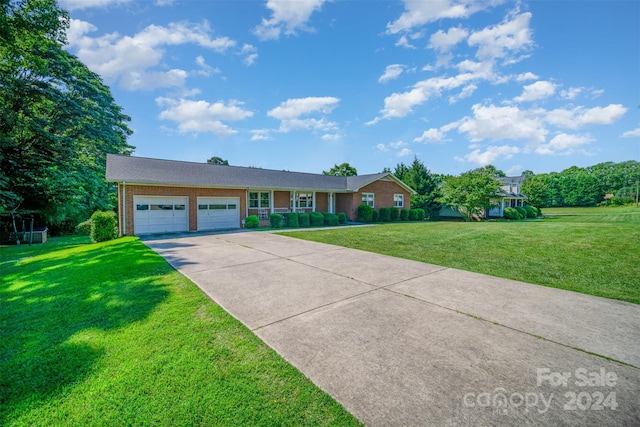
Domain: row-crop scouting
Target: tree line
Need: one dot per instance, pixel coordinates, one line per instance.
(57, 120)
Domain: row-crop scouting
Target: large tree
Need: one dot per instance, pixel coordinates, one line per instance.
(344, 169)
(471, 192)
(426, 185)
(57, 119)
(215, 160)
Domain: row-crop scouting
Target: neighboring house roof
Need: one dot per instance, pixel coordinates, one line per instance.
(141, 170)
(512, 179)
(503, 193)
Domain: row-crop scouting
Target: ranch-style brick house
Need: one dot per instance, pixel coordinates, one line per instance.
(160, 196)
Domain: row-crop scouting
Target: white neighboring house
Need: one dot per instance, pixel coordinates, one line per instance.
(510, 195)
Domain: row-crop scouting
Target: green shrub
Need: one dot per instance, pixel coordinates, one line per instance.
(252, 221)
(375, 216)
(522, 211)
(84, 227)
(404, 214)
(621, 201)
(413, 215)
(511, 213)
(365, 213)
(303, 219)
(342, 217)
(104, 226)
(316, 219)
(395, 213)
(421, 214)
(275, 220)
(331, 220)
(292, 219)
(384, 214)
(531, 211)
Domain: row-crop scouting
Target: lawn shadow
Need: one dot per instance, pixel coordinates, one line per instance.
(50, 301)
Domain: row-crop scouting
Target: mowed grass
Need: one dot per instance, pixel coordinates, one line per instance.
(110, 334)
(589, 250)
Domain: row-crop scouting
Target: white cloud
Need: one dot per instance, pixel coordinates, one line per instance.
(260, 135)
(581, 116)
(205, 69)
(420, 12)
(392, 72)
(404, 42)
(514, 170)
(503, 123)
(128, 58)
(250, 53)
(491, 154)
(381, 147)
(404, 152)
(499, 41)
(571, 93)
(85, 4)
(397, 144)
(330, 137)
(286, 17)
(538, 90)
(289, 112)
(632, 133)
(563, 144)
(202, 116)
(526, 76)
(431, 135)
(466, 92)
(444, 42)
(134, 80)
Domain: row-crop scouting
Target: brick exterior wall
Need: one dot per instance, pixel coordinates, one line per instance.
(345, 202)
(191, 192)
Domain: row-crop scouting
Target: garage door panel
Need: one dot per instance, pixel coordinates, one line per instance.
(215, 213)
(156, 214)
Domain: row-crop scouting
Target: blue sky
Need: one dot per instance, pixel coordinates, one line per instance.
(303, 85)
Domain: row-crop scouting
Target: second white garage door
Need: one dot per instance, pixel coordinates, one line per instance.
(218, 213)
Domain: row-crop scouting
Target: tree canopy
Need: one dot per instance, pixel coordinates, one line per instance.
(343, 169)
(426, 185)
(217, 161)
(469, 193)
(57, 119)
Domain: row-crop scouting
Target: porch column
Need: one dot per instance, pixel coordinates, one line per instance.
(313, 202)
(502, 207)
(271, 202)
(330, 202)
(293, 201)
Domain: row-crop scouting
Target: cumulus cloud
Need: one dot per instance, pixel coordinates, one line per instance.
(86, 4)
(499, 41)
(503, 123)
(404, 42)
(444, 42)
(432, 135)
(290, 111)
(420, 12)
(563, 144)
(260, 135)
(571, 93)
(381, 147)
(129, 58)
(404, 152)
(205, 69)
(491, 154)
(635, 133)
(398, 147)
(286, 17)
(250, 54)
(526, 76)
(538, 90)
(202, 116)
(392, 72)
(581, 116)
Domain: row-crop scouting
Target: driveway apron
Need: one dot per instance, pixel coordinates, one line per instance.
(401, 342)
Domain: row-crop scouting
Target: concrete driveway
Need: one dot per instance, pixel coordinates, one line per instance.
(399, 342)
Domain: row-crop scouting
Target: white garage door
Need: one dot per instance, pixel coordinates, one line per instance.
(218, 213)
(154, 214)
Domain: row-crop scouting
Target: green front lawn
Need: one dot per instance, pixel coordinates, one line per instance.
(588, 250)
(110, 334)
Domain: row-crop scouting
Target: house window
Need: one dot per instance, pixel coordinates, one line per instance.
(259, 199)
(368, 199)
(304, 200)
(398, 200)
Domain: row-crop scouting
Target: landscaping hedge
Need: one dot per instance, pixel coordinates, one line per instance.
(316, 219)
(522, 211)
(292, 219)
(342, 217)
(104, 226)
(384, 214)
(421, 214)
(303, 219)
(404, 214)
(84, 227)
(395, 213)
(375, 216)
(511, 213)
(365, 213)
(252, 221)
(531, 211)
(275, 220)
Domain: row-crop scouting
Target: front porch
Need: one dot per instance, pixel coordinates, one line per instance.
(497, 211)
(263, 203)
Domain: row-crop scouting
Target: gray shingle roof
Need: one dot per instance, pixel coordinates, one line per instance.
(141, 170)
